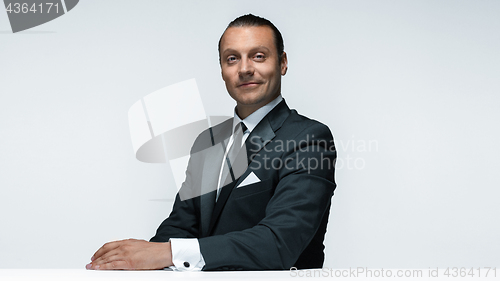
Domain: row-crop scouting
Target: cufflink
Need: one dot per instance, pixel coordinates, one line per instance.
(186, 264)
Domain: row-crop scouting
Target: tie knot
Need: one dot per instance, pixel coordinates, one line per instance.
(238, 126)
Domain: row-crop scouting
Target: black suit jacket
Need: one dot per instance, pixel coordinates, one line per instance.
(276, 223)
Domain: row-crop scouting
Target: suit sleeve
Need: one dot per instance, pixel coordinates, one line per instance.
(293, 215)
(183, 221)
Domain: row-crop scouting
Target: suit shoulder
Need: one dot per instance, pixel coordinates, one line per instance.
(301, 123)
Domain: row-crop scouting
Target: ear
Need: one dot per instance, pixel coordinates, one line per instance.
(284, 64)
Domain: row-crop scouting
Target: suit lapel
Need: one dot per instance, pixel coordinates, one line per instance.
(209, 185)
(264, 132)
(210, 173)
(260, 136)
(219, 205)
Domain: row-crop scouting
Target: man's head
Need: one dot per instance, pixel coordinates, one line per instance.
(252, 61)
(251, 20)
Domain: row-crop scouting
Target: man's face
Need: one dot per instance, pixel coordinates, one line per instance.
(250, 67)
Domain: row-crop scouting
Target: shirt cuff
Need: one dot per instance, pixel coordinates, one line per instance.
(186, 255)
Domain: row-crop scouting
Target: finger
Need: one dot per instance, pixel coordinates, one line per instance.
(106, 248)
(109, 256)
(118, 264)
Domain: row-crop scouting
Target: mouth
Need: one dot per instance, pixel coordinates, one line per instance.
(248, 84)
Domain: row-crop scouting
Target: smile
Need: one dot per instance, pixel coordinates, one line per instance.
(249, 84)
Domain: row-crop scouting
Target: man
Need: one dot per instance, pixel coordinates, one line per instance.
(270, 214)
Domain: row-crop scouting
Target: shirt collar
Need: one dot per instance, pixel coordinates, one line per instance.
(253, 119)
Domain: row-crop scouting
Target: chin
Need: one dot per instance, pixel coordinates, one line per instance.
(248, 98)
(250, 102)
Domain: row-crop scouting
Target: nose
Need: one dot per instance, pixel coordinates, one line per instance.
(246, 68)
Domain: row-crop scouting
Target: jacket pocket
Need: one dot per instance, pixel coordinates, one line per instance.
(252, 189)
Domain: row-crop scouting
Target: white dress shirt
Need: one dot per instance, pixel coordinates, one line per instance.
(186, 255)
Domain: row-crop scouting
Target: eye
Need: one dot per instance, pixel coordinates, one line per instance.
(231, 59)
(259, 57)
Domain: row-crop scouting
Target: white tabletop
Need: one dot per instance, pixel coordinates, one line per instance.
(150, 275)
(318, 274)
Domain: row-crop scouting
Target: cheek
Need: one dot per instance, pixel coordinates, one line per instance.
(224, 72)
(269, 73)
(227, 77)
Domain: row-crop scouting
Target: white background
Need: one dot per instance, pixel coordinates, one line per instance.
(418, 80)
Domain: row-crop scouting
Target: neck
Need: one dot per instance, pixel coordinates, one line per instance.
(245, 110)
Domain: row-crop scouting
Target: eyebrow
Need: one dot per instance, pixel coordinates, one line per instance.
(230, 50)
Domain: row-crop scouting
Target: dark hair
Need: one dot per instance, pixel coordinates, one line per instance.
(251, 20)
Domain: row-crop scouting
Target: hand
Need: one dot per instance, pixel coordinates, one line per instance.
(132, 254)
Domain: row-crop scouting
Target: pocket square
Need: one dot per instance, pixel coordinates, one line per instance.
(251, 178)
